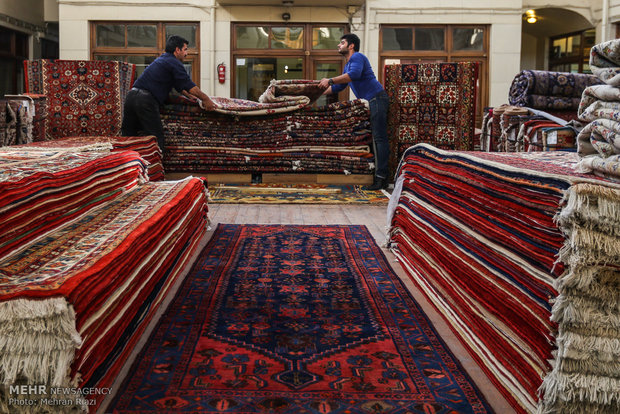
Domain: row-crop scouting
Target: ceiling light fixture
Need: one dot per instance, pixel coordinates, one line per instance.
(530, 16)
(287, 3)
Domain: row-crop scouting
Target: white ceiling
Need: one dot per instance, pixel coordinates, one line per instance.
(554, 21)
(296, 3)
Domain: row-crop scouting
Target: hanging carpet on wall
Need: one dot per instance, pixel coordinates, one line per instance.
(84, 97)
(295, 319)
(431, 103)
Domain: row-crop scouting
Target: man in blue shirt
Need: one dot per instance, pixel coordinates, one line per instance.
(359, 75)
(141, 112)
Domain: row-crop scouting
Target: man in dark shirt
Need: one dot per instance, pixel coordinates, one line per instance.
(358, 73)
(141, 113)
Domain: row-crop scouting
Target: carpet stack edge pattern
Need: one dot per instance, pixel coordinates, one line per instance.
(519, 254)
(89, 249)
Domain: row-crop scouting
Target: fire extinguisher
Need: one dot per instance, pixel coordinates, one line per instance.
(221, 72)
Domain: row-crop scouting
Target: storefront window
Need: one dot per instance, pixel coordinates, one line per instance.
(111, 35)
(188, 32)
(142, 36)
(262, 53)
(397, 38)
(571, 52)
(326, 37)
(252, 37)
(287, 37)
(468, 38)
(141, 43)
(427, 38)
(253, 74)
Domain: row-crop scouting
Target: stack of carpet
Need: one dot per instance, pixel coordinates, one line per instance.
(542, 106)
(500, 127)
(431, 103)
(510, 128)
(32, 205)
(586, 370)
(558, 93)
(599, 141)
(39, 116)
(242, 137)
(89, 249)
(480, 234)
(146, 146)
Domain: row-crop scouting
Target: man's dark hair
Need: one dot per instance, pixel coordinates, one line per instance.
(175, 41)
(352, 38)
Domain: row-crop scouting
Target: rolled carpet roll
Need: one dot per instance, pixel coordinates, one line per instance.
(549, 90)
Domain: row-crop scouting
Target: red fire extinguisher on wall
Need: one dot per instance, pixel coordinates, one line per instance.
(221, 72)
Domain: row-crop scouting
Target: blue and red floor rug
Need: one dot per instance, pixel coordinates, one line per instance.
(295, 319)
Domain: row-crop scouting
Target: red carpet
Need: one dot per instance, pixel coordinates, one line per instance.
(295, 319)
(431, 103)
(84, 97)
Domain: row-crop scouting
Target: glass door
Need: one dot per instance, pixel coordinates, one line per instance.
(263, 52)
(328, 69)
(253, 74)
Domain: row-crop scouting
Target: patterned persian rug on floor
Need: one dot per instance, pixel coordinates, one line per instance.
(431, 103)
(294, 319)
(84, 97)
(294, 194)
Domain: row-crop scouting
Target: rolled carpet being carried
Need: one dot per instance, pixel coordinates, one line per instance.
(549, 90)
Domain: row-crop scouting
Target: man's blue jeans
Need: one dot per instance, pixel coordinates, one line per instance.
(378, 123)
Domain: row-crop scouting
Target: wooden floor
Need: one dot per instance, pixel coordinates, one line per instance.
(373, 217)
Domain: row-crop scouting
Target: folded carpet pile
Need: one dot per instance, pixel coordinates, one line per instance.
(16, 122)
(43, 190)
(599, 142)
(331, 139)
(146, 146)
(76, 295)
(510, 128)
(480, 234)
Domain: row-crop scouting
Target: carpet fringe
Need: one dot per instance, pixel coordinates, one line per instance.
(584, 277)
(578, 388)
(45, 325)
(585, 375)
(592, 348)
(574, 310)
(606, 369)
